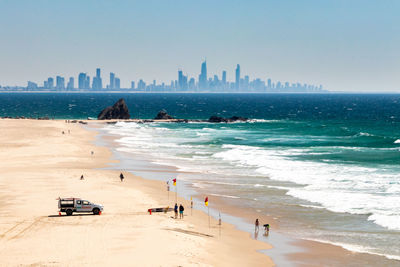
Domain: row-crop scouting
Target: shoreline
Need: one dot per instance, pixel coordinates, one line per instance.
(309, 252)
(51, 171)
(124, 235)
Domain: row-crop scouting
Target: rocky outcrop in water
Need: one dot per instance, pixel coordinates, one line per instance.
(163, 115)
(118, 111)
(217, 119)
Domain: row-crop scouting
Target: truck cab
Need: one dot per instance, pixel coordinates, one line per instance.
(71, 205)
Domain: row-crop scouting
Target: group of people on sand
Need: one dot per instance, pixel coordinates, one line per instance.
(180, 209)
(257, 227)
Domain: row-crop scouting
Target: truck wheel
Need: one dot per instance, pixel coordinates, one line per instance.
(96, 211)
(69, 212)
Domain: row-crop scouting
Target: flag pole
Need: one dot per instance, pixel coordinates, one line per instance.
(209, 224)
(219, 223)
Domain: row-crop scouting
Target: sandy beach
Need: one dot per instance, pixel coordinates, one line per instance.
(40, 163)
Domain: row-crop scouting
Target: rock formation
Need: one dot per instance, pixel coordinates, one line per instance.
(217, 119)
(118, 111)
(163, 115)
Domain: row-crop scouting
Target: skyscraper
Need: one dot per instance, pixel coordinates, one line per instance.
(97, 83)
(60, 83)
(112, 81)
(237, 81)
(117, 83)
(87, 82)
(81, 80)
(70, 85)
(50, 83)
(203, 76)
(224, 78)
(180, 79)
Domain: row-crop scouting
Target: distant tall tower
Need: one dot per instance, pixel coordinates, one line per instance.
(203, 76)
(97, 83)
(87, 82)
(81, 80)
(112, 81)
(224, 78)
(117, 83)
(70, 85)
(50, 83)
(237, 85)
(98, 79)
(60, 84)
(180, 79)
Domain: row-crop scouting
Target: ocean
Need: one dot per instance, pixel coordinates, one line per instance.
(326, 166)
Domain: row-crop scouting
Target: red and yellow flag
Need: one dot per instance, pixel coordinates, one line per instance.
(206, 201)
(174, 180)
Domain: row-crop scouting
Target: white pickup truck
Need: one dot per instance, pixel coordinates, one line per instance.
(71, 205)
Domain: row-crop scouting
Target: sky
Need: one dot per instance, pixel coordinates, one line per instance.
(345, 45)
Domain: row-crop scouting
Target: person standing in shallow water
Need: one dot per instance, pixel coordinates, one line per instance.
(121, 176)
(176, 210)
(257, 225)
(181, 209)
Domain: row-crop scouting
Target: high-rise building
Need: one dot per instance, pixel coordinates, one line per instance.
(237, 80)
(132, 85)
(32, 86)
(97, 83)
(60, 83)
(87, 82)
(117, 84)
(246, 82)
(192, 84)
(70, 85)
(141, 85)
(203, 76)
(82, 80)
(50, 83)
(112, 81)
(224, 78)
(180, 79)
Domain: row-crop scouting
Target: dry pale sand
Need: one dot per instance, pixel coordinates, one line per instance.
(38, 164)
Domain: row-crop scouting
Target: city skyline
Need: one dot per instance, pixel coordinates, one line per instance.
(345, 45)
(206, 82)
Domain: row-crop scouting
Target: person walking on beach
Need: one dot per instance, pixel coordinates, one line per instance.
(121, 176)
(176, 211)
(181, 209)
(82, 177)
(257, 225)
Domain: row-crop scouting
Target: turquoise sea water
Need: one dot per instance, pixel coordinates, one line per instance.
(326, 165)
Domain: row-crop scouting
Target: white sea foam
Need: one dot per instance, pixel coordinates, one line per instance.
(336, 187)
(397, 141)
(357, 248)
(226, 196)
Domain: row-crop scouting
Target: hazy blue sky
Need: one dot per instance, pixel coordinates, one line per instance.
(347, 45)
